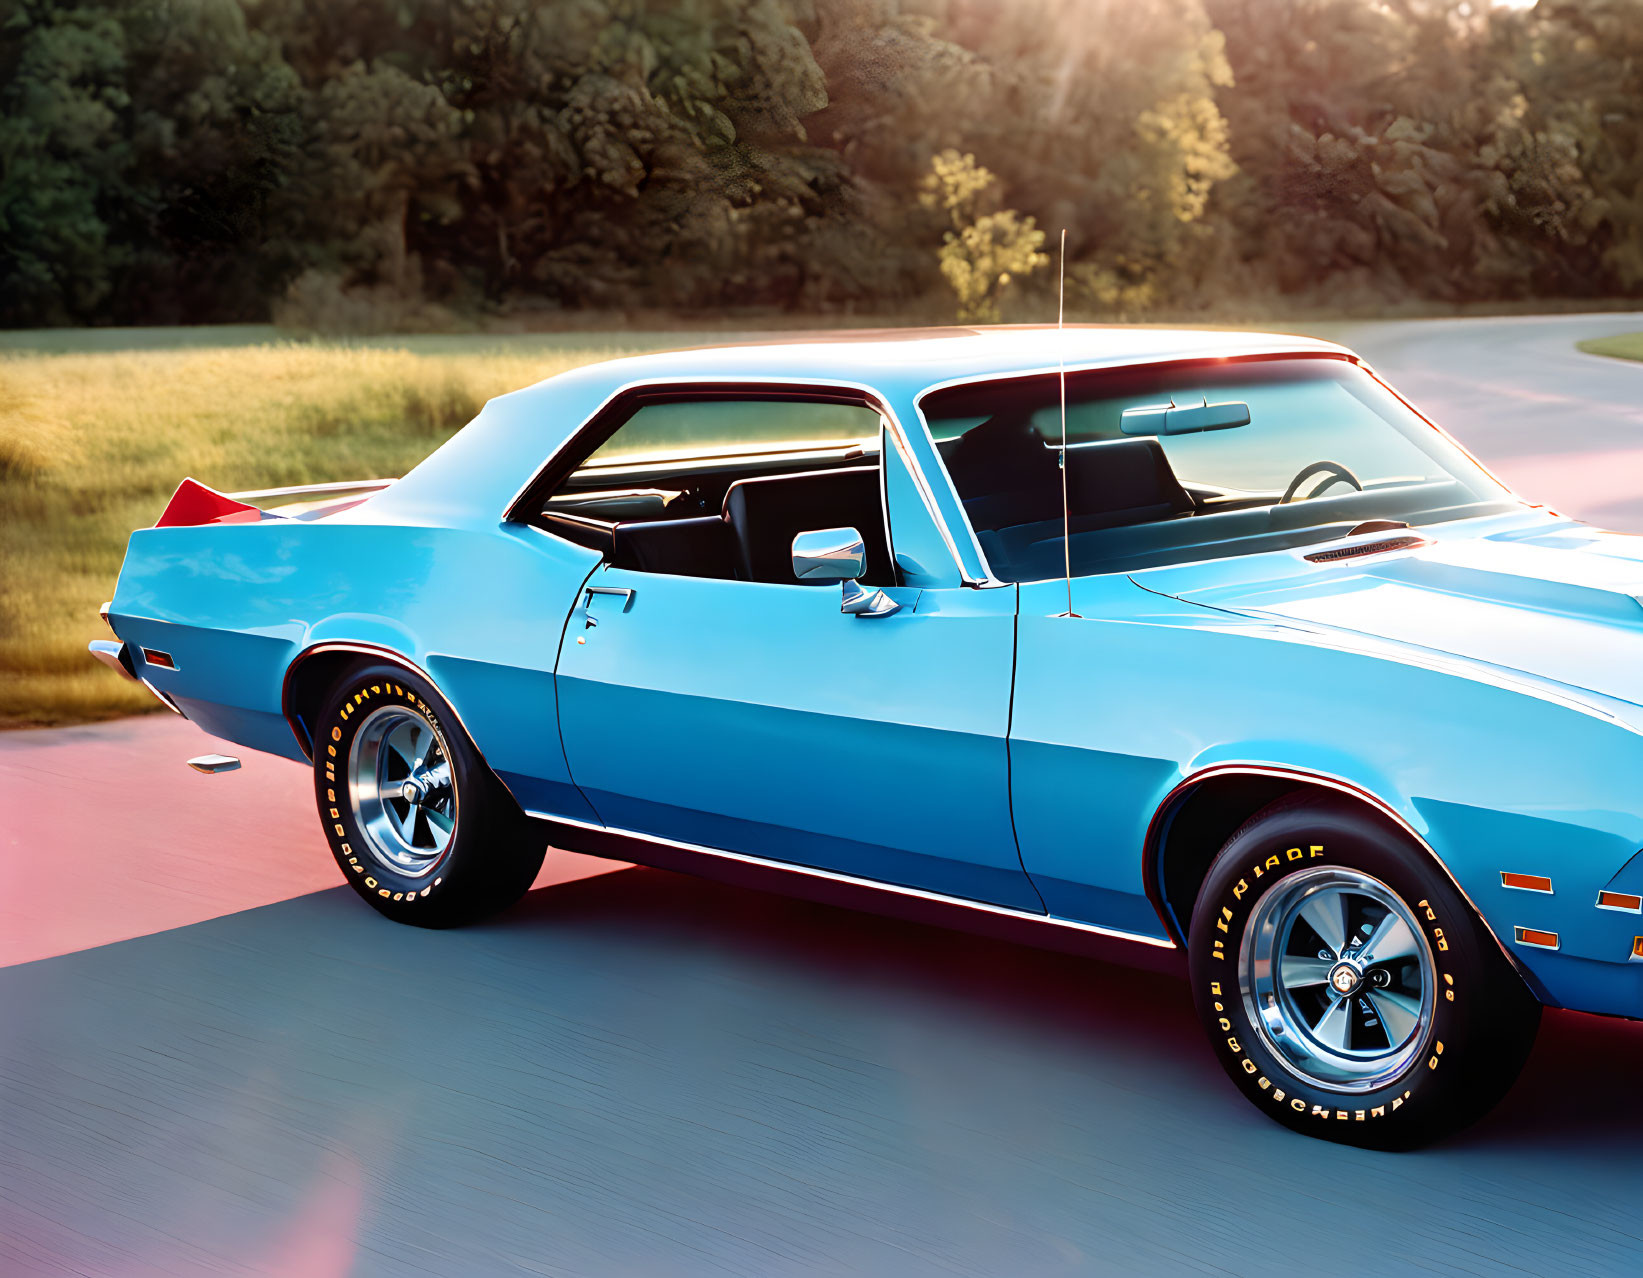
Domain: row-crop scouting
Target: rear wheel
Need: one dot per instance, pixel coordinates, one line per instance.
(420, 826)
(1348, 989)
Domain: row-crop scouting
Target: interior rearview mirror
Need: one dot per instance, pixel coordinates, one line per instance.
(829, 555)
(1183, 419)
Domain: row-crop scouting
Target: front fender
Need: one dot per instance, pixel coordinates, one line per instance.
(1114, 710)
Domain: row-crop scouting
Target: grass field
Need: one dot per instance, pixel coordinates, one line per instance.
(98, 426)
(1621, 346)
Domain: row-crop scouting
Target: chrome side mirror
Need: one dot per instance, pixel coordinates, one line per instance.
(839, 555)
(829, 555)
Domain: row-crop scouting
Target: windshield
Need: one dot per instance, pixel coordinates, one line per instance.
(1325, 447)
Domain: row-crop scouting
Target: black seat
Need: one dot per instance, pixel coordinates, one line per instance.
(1009, 477)
(1127, 481)
(764, 515)
(1005, 474)
(700, 547)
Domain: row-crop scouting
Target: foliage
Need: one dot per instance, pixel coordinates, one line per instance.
(402, 163)
(60, 100)
(983, 251)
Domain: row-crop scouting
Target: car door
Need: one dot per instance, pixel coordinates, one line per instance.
(758, 718)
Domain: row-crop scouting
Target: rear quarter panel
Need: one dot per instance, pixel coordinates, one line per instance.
(482, 610)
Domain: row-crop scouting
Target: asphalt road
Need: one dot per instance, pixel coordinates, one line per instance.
(638, 1073)
(1561, 427)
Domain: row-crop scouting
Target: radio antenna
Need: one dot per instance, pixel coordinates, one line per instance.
(1061, 351)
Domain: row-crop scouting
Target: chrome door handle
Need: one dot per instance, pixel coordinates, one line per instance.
(588, 619)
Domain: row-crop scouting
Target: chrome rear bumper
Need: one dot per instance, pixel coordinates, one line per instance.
(112, 653)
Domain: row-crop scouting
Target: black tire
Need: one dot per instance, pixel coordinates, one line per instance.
(1301, 855)
(483, 863)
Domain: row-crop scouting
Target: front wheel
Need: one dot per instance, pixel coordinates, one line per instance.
(1348, 989)
(421, 828)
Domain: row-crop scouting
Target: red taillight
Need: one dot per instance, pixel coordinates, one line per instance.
(193, 504)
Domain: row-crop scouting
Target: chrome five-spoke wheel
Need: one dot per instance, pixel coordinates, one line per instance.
(1346, 985)
(422, 830)
(401, 791)
(1337, 978)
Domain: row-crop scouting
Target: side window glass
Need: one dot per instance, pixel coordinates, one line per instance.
(694, 430)
(718, 486)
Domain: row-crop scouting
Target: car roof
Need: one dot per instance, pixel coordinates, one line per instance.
(911, 360)
(478, 472)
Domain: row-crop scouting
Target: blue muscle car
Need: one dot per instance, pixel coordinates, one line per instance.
(1198, 649)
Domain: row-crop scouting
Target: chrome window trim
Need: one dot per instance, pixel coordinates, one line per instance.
(894, 436)
(871, 398)
(851, 880)
(884, 498)
(921, 482)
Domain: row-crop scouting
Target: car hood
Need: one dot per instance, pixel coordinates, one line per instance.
(1558, 602)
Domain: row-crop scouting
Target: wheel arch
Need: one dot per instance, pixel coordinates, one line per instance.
(1205, 809)
(318, 666)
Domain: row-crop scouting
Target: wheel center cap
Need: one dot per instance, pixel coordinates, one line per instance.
(412, 791)
(1345, 978)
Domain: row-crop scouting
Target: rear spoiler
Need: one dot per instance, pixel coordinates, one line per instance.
(194, 504)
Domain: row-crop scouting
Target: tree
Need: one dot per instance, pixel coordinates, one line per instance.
(1099, 115)
(401, 160)
(1574, 153)
(215, 131)
(62, 92)
(141, 144)
(982, 252)
(386, 155)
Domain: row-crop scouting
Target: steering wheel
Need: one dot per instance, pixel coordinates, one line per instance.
(1334, 470)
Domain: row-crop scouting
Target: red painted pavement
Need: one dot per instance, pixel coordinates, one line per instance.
(105, 834)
